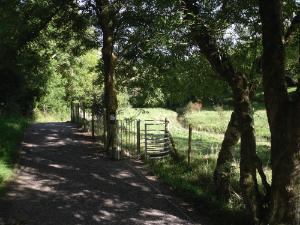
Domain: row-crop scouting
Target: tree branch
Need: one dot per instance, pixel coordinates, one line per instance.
(295, 24)
(33, 33)
(208, 44)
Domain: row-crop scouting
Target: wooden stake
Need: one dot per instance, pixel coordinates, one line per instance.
(138, 138)
(190, 144)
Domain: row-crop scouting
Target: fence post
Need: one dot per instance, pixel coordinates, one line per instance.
(83, 111)
(121, 135)
(129, 135)
(93, 123)
(117, 150)
(166, 134)
(138, 138)
(104, 130)
(190, 144)
(77, 113)
(72, 112)
(145, 141)
(126, 133)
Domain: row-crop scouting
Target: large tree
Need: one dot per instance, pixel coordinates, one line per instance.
(107, 12)
(283, 110)
(241, 124)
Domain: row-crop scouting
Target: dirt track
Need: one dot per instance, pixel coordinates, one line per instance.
(64, 180)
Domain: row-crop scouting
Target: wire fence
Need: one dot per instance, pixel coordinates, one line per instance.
(137, 138)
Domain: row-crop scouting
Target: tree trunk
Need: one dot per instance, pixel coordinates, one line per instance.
(283, 116)
(106, 19)
(241, 95)
(222, 171)
(248, 180)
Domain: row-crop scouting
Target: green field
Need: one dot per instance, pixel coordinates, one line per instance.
(195, 181)
(11, 133)
(215, 121)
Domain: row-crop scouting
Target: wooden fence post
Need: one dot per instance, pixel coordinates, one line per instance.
(71, 112)
(126, 133)
(83, 111)
(78, 113)
(93, 123)
(138, 138)
(190, 145)
(145, 141)
(166, 145)
(121, 135)
(117, 149)
(104, 130)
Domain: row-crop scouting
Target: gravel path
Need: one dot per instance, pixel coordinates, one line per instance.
(64, 180)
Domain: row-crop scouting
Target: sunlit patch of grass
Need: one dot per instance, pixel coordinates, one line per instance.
(6, 172)
(44, 117)
(216, 121)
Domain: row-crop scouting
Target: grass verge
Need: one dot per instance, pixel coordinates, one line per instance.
(11, 133)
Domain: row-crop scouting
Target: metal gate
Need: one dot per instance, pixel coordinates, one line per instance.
(157, 141)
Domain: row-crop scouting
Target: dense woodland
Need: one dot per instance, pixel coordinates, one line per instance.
(115, 54)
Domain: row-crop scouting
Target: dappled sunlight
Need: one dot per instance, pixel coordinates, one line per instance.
(64, 180)
(96, 176)
(29, 145)
(157, 217)
(122, 174)
(143, 187)
(104, 215)
(51, 138)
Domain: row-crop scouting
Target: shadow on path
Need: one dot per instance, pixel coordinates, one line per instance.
(64, 179)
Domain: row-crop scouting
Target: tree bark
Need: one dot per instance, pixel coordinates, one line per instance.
(106, 17)
(284, 121)
(223, 168)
